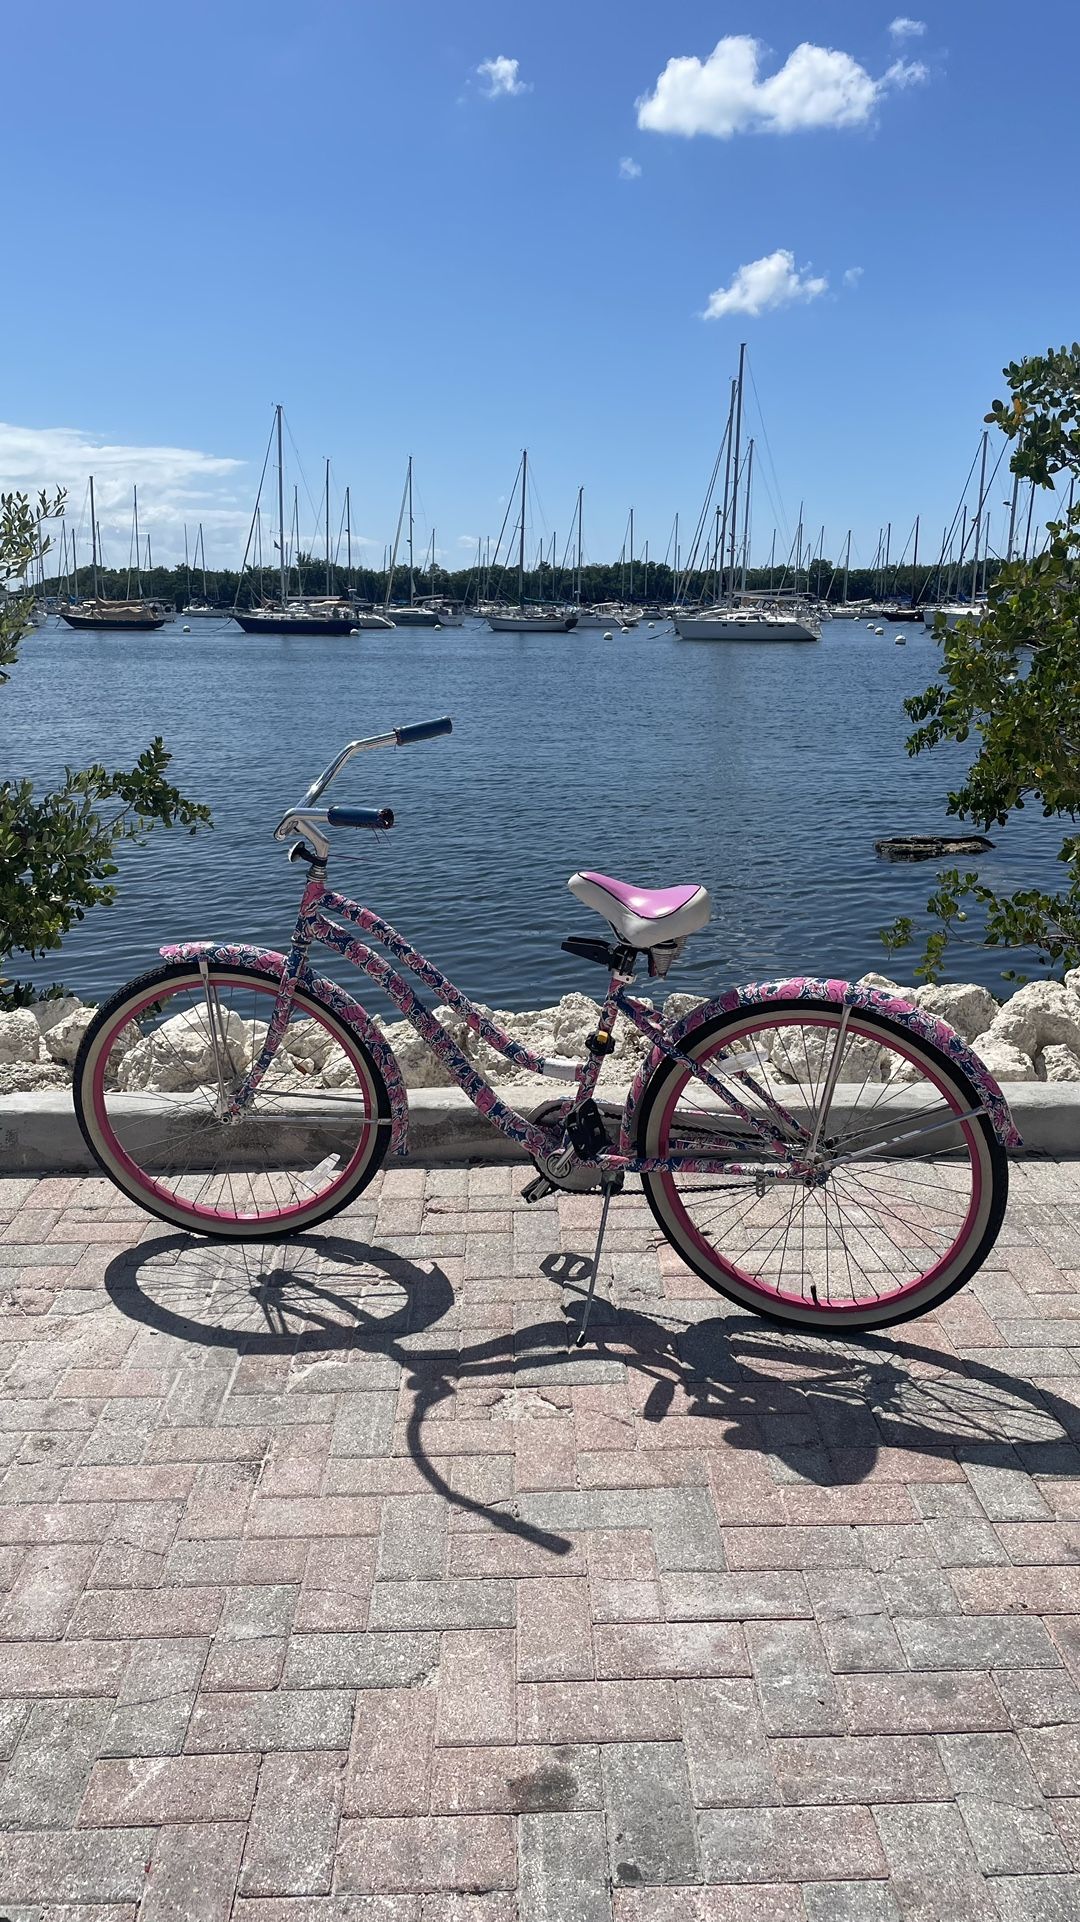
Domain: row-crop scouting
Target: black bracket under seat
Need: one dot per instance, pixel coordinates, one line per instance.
(614, 955)
(588, 949)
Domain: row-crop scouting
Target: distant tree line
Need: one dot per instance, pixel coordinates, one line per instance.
(600, 581)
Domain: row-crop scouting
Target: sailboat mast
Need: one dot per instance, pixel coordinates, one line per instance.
(735, 467)
(187, 567)
(329, 590)
(202, 548)
(718, 559)
(135, 525)
(281, 509)
(978, 520)
(348, 538)
(630, 595)
(580, 497)
(412, 582)
(521, 534)
(746, 512)
(915, 561)
(1012, 516)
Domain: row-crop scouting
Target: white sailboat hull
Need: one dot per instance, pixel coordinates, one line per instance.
(954, 615)
(741, 627)
(531, 623)
(607, 617)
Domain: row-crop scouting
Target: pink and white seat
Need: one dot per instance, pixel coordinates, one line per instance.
(643, 917)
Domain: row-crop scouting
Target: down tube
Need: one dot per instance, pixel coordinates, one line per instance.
(537, 1141)
(432, 977)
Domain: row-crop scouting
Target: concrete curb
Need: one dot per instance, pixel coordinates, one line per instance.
(40, 1135)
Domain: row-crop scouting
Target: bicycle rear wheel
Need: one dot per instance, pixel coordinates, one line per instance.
(896, 1207)
(148, 1085)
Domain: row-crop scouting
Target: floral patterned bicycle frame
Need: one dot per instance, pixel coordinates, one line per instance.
(314, 926)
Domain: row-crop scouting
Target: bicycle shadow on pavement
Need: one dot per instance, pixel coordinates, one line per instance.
(822, 1410)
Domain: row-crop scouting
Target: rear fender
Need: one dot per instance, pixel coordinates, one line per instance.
(846, 994)
(265, 961)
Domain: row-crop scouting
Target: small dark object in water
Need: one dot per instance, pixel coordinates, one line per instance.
(931, 847)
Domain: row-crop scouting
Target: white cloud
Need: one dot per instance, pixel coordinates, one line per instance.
(904, 29)
(852, 276)
(176, 484)
(772, 281)
(905, 73)
(723, 95)
(501, 76)
(629, 169)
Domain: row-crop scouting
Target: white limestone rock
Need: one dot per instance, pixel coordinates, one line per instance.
(305, 1040)
(575, 1019)
(884, 985)
(969, 1009)
(1042, 1014)
(803, 1055)
(418, 1065)
(49, 1014)
(1005, 1062)
(678, 1006)
(178, 1056)
(20, 1038)
(30, 1077)
(1072, 981)
(63, 1041)
(1056, 1063)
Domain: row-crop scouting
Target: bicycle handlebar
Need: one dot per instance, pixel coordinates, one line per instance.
(423, 730)
(355, 817)
(398, 737)
(299, 821)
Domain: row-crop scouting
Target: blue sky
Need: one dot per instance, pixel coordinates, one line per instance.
(224, 205)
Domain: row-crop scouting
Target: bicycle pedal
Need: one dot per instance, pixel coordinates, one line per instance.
(537, 1189)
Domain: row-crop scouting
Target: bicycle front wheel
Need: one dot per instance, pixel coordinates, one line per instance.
(904, 1184)
(149, 1083)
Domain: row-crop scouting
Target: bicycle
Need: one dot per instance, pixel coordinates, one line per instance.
(235, 1093)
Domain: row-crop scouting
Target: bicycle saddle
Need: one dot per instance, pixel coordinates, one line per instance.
(643, 917)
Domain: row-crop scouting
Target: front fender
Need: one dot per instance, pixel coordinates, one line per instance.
(845, 993)
(339, 1002)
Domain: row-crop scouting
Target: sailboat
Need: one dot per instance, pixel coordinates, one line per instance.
(973, 610)
(104, 616)
(727, 620)
(604, 613)
(200, 610)
(524, 619)
(410, 613)
(325, 614)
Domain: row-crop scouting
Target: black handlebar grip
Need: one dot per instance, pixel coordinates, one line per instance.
(354, 817)
(423, 730)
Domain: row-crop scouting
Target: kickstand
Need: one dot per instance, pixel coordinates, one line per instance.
(609, 1188)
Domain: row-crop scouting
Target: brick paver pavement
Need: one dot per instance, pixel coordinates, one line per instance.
(334, 1589)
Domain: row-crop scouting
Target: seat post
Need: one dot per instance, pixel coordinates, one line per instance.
(601, 1043)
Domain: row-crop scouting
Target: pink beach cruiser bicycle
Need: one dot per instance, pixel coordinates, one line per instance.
(821, 1153)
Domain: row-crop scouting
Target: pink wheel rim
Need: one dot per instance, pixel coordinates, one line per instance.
(752, 1284)
(200, 1210)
